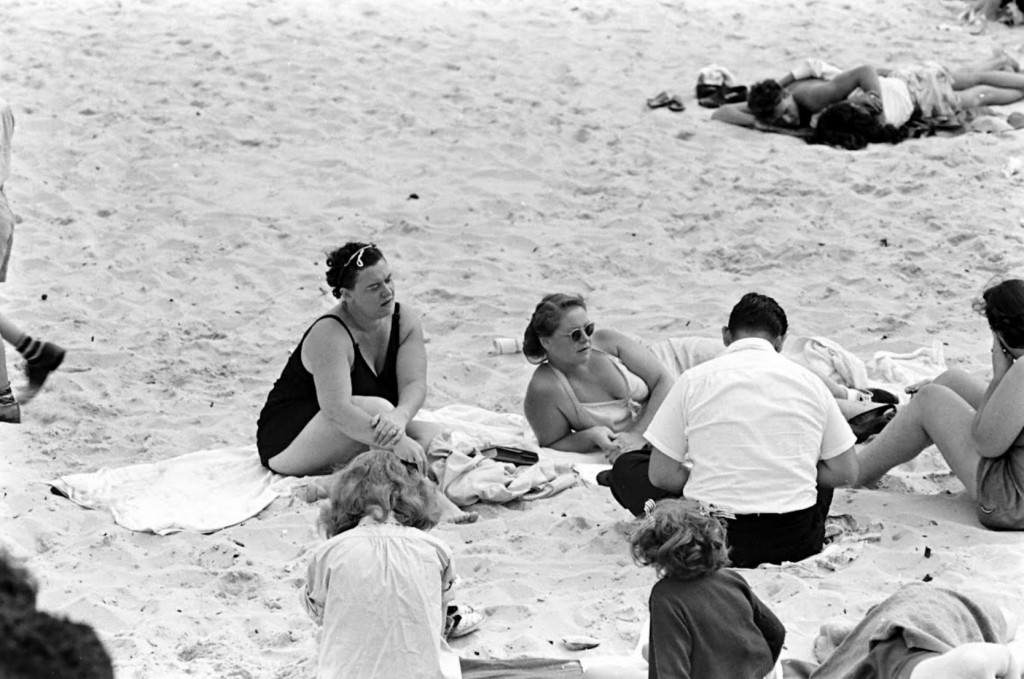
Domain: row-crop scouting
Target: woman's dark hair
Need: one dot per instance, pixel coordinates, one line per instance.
(852, 127)
(546, 317)
(377, 483)
(758, 313)
(764, 96)
(345, 263)
(1003, 306)
(681, 539)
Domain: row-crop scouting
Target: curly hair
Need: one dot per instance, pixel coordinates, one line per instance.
(546, 317)
(762, 99)
(1003, 307)
(377, 484)
(680, 539)
(758, 312)
(345, 263)
(849, 126)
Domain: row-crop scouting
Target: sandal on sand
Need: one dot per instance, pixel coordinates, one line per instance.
(664, 99)
(461, 620)
(870, 422)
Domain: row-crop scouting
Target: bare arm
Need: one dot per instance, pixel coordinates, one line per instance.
(642, 362)
(411, 367)
(739, 114)
(1000, 419)
(666, 473)
(544, 408)
(841, 470)
(327, 353)
(819, 94)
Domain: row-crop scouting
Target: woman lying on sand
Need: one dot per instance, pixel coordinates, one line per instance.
(891, 97)
(978, 428)
(595, 389)
(707, 623)
(356, 379)
(598, 389)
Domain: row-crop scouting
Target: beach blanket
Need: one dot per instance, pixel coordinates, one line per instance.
(207, 490)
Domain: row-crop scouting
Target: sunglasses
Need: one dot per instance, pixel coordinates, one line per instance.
(577, 334)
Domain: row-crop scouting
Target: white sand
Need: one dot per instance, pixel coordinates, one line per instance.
(180, 166)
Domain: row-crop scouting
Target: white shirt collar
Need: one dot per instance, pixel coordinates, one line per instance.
(753, 343)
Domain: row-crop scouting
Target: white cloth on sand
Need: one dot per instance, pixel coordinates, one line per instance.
(207, 490)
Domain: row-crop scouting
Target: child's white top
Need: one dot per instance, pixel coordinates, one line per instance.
(377, 589)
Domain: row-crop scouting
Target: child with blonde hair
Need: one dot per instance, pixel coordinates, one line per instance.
(380, 584)
(706, 622)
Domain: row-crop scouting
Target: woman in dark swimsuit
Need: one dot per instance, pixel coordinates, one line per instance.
(355, 381)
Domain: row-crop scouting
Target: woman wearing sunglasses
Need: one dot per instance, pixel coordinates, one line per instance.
(356, 379)
(594, 390)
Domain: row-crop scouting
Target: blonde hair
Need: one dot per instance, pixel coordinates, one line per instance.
(378, 484)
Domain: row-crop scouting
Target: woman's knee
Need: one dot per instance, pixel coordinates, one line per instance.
(373, 404)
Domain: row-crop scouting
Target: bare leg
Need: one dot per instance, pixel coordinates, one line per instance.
(320, 447)
(11, 333)
(986, 95)
(936, 415)
(967, 386)
(965, 79)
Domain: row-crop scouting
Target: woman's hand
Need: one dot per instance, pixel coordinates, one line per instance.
(388, 428)
(625, 442)
(409, 451)
(601, 437)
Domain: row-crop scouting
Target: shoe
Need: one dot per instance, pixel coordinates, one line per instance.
(50, 358)
(461, 621)
(671, 101)
(10, 411)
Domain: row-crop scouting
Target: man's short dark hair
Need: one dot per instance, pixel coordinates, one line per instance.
(764, 96)
(758, 313)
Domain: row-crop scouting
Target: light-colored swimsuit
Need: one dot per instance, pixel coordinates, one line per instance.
(617, 414)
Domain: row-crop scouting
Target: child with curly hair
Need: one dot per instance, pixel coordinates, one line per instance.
(705, 620)
(380, 584)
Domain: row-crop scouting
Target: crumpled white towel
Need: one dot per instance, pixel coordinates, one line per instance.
(202, 491)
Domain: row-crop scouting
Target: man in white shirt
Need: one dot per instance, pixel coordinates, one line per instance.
(755, 434)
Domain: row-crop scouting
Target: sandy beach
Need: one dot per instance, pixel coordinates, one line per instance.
(180, 168)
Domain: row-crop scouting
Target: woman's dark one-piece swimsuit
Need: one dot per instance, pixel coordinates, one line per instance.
(292, 402)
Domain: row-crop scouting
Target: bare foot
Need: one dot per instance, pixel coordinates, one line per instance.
(451, 513)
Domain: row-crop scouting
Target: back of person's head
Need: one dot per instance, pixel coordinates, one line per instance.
(681, 539)
(378, 484)
(763, 98)
(35, 644)
(758, 314)
(546, 317)
(1003, 306)
(849, 126)
(345, 263)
